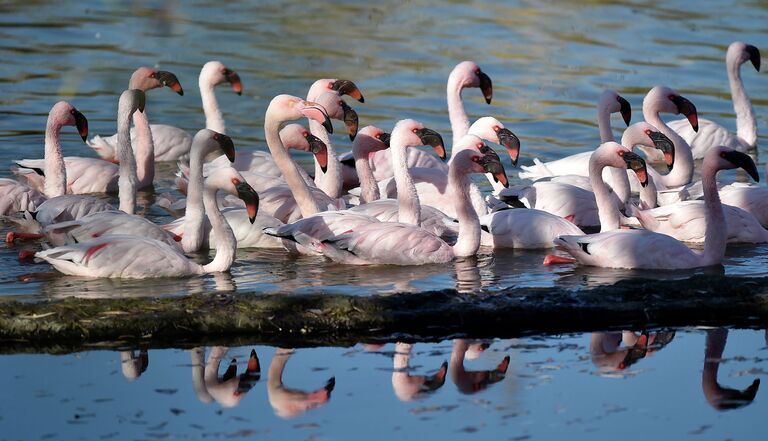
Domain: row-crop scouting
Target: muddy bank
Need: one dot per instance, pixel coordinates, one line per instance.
(306, 320)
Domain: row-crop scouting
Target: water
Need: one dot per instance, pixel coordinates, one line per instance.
(554, 385)
(548, 62)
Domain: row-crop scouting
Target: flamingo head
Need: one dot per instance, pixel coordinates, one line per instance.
(215, 73)
(491, 129)
(665, 99)
(476, 156)
(411, 133)
(340, 110)
(644, 134)
(615, 103)
(293, 108)
(616, 155)
(370, 139)
(65, 114)
(740, 52)
(469, 74)
(146, 78)
(725, 158)
(297, 137)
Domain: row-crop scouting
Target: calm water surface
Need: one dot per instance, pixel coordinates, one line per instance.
(552, 386)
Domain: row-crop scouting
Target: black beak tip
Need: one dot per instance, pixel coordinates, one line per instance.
(488, 100)
(362, 98)
(352, 136)
(324, 168)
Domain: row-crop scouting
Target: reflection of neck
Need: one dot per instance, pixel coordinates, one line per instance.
(55, 171)
(198, 373)
(213, 117)
(746, 123)
(716, 339)
(277, 366)
(288, 168)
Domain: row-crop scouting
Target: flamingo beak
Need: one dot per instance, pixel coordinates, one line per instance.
(431, 138)
(346, 87)
(754, 56)
(250, 197)
(486, 86)
(234, 79)
(320, 150)
(436, 381)
(317, 113)
(510, 142)
(492, 164)
(743, 161)
(82, 124)
(688, 109)
(168, 79)
(350, 120)
(661, 142)
(385, 137)
(637, 164)
(226, 145)
(626, 110)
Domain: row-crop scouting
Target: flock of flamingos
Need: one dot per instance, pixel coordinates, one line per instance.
(388, 202)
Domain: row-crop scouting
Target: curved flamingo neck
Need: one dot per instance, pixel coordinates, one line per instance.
(128, 178)
(456, 113)
(682, 170)
(608, 213)
(746, 123)
(288, 168)
(55, 170)
(409, 208)
(214, 120)
(368, 186)
(715, 233)
(331, 182)
(604, 123)
(194, 216)
(145, 150)
(468, 240)
(226, 245)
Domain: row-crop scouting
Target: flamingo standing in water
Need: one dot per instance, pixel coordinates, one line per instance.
(170, 142)
(711, 134)
(644, 249)
(135, 257)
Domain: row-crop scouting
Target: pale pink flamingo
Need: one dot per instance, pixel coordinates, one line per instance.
(170, 142)
(648, 250)
(227, 389)
(17, 196)
(405, 242)
(710, 133)
(139, 258)
(578, 202)
(466, 74)
(471, 382)
(110, 223)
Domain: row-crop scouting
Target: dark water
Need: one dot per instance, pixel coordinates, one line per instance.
(554, 388)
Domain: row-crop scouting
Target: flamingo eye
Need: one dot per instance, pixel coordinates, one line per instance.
(414, 130)
(72, 111)
(475, 159)
(648, 132)
(378, 136)
(620, 152)
(235, 181)
(496, 128)
(341, 102)
(479, 145)
(330, 85)
(152, 75)
(671, 97)
(216, 136)
(477, 72)
(305, 134)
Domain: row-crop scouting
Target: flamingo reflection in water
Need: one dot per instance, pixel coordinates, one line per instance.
(719, 397)
(409, 387)
(610, 357)
(227, 389)
(287, 402)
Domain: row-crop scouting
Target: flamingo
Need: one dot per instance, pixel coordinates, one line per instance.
(136, 257)
(288, 402)
(93, 175)
(645, 249)
(110, 223)
(578, 164)
(712, 134)
(405, 242)
(59, 206)
(172, 143)
(466, 74)
(579, 203)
